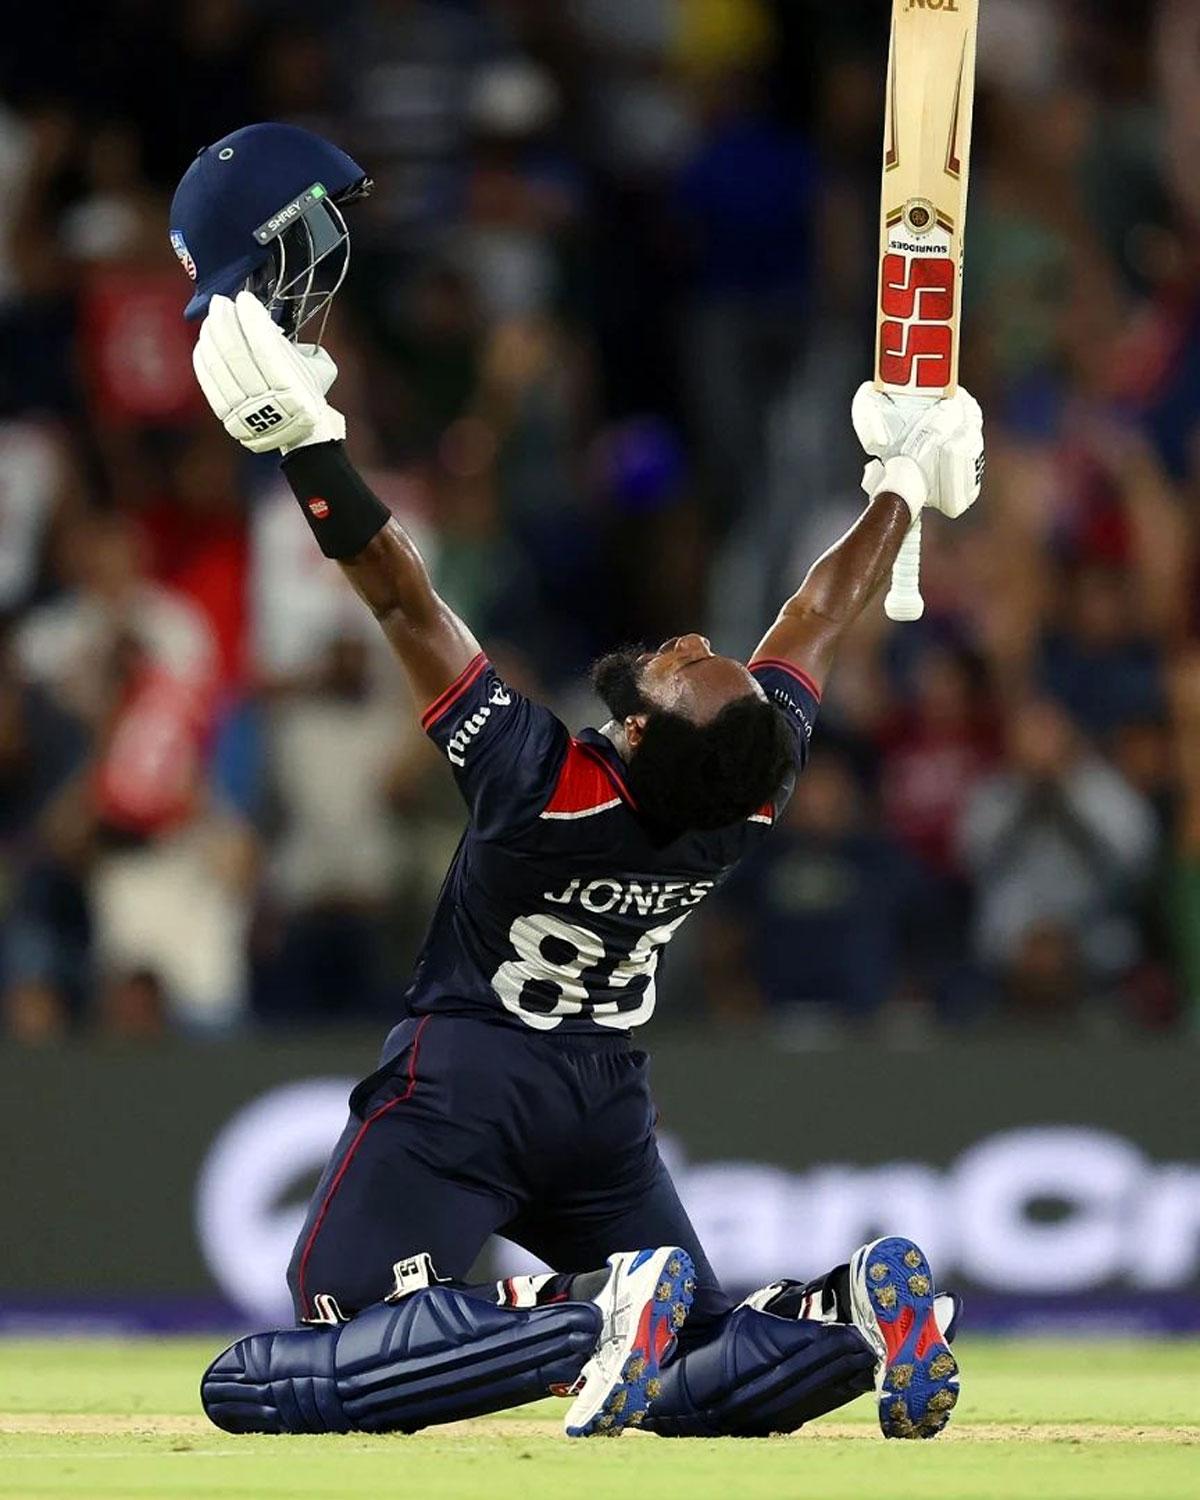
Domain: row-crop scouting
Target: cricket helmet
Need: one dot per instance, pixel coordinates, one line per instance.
(260, 209)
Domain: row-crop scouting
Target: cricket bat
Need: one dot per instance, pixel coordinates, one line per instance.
(922, 216)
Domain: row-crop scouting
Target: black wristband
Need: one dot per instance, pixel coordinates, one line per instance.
(343, 511)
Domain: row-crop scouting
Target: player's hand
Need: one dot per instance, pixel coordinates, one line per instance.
(881, 420)
(268, 393)
(944, 439)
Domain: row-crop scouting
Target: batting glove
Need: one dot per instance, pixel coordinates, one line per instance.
(942, 439)
(268, 393)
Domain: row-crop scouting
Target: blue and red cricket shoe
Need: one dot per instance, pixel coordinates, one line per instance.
(645, 1302)
(892, 1301)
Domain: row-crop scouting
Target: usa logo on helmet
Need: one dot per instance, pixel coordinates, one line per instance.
(179, 245)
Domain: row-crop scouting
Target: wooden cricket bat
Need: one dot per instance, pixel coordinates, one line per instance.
(922, 215)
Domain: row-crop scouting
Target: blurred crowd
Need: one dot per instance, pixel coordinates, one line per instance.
(606, 309)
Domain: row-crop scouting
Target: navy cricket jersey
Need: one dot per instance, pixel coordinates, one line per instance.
(560, 900)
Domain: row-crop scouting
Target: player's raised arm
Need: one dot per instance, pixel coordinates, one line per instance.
(386, 569)
(934, 462)
(270, 395)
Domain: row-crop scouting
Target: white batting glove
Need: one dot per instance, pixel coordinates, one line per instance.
(268, 393)
(881, 420)
(943, 439)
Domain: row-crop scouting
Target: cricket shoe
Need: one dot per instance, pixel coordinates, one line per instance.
(828, 1301)
(645, 1303)
(892, 1302)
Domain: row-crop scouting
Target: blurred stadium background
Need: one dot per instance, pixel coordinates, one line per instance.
(605, 314)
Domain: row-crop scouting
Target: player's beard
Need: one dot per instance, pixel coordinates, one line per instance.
(615, 679)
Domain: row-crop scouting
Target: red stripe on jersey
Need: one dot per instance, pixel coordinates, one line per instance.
(442, 704)
(586, 784)
(802, 678)
(610, 771)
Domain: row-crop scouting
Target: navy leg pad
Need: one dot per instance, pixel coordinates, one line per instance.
(436, 1356)
(759, 1375)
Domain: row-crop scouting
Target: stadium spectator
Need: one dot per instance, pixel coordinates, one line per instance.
(1096, 663)
(38, 484)
(934, 750)
(811, 932)
(334, 855)
(43, 922)
(71, 643)
(1058, 845)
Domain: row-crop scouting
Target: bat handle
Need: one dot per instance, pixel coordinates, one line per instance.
(904, 600)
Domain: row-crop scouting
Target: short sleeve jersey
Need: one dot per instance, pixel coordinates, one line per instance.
(560, 899)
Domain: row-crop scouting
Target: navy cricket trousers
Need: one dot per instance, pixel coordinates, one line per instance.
(470, 1128)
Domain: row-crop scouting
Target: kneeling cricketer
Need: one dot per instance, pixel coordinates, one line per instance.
(511, 1098)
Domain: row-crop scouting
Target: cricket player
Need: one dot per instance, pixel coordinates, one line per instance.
(511, 1097)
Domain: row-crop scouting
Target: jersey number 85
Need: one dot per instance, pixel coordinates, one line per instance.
(575, 957)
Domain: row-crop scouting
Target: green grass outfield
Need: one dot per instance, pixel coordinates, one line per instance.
(1072, 1421)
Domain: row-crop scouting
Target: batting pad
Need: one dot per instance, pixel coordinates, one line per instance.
(761, 1374)
(436, 1356)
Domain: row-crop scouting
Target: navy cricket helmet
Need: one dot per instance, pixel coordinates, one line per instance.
(259, 210)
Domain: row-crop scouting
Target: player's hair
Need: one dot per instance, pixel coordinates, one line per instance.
(684, 775)
(702, 776)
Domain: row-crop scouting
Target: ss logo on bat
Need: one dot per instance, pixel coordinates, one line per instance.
(916, 337)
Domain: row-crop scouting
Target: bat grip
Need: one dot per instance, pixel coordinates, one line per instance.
(903, 601)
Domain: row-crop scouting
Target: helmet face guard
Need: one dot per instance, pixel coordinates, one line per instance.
(309, 257)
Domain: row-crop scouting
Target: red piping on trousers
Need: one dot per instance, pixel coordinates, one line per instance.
(349, 1157)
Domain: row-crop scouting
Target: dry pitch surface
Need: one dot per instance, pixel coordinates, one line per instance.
(1077, 1421)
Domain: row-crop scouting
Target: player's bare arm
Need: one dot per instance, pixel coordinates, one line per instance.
(381, 560)
(839, 586)
(934, 461)
(270, 394)
(433, 644)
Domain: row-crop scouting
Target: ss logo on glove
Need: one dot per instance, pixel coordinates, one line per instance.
(263, 419)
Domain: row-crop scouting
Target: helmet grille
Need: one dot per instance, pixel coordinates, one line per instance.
(308, 263)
